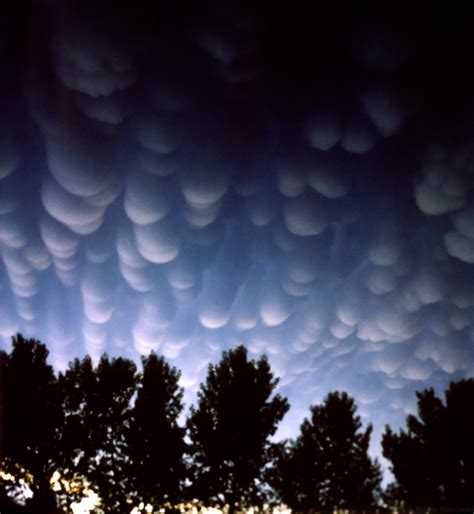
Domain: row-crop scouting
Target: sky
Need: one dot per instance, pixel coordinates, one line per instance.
(186, 180)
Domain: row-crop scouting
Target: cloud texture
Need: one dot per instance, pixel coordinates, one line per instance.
(190, 185)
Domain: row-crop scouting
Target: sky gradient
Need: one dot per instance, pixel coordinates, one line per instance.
(299, 183)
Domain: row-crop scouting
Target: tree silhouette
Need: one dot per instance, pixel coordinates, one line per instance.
(230, 428)
(31, 417)
(95, 438)
(328, 465)
(157, 441)
(3, 369)
(433, 460)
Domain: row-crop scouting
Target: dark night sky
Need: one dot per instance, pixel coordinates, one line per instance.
(187, 179)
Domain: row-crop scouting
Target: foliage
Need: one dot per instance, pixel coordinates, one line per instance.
(32, 416)
(97, 426)
(157, 441)
(230, 429)
(433, 459)
(328, 465)
(112, 429)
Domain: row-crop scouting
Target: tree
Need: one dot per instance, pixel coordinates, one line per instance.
(3, 368)
(230, 430)
(433, 460)
(32, 418)
(157, 441)
(97, 425)
(328, 465)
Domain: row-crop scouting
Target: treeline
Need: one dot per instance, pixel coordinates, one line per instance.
(116, 428)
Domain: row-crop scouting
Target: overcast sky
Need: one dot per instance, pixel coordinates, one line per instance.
(185, 181)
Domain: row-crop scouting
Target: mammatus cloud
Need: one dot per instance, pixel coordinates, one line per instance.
(194, 189)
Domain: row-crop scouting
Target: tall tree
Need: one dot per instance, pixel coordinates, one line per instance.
(97, 428)
(230, 429)
(433, 459)
(328, 465)
(32, 417)
(3, 369)
(157, 441)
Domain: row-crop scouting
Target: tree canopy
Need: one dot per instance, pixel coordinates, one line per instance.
(433, 458)
(96, 431)
(156, 440)
(119, 429)
(328, 465)
(230, 429)
(32, 417)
